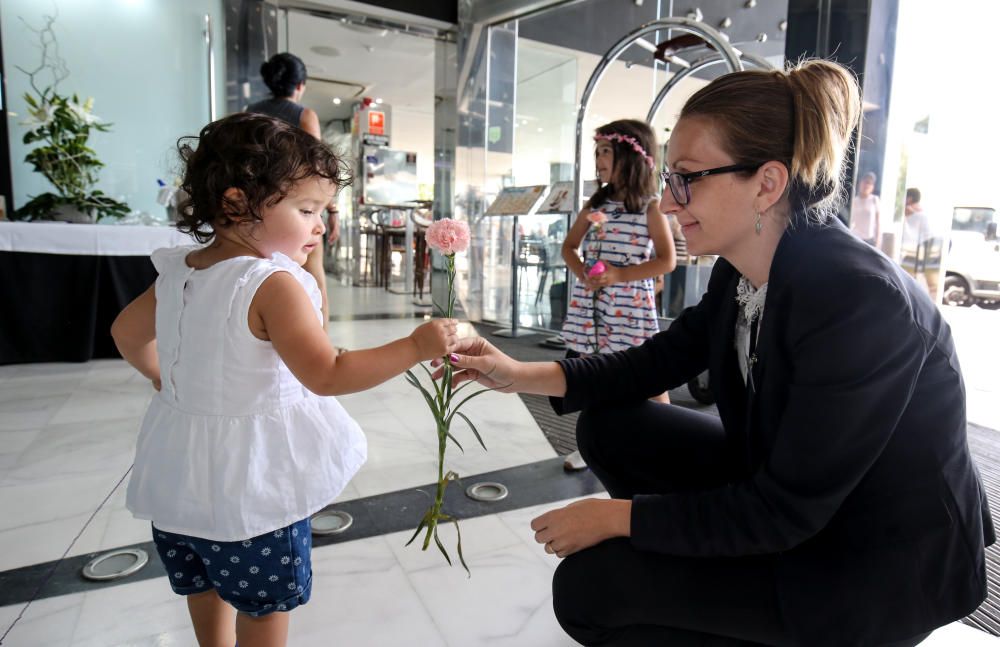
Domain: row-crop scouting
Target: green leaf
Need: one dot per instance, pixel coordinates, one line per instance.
(465, 384)
(437, 389)
(423, 522)
(437, 540)
(461, 557)
(467, 398)
(412, 379)
(455, 440)
(446, 385)
(473, 427)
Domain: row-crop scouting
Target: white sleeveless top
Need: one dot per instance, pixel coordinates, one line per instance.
(233, 446)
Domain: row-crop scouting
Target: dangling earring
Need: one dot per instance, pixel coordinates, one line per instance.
(757, 226)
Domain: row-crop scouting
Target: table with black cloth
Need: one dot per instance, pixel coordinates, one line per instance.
(62, 284)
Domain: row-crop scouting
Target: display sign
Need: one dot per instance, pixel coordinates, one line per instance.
(374, 140)
(560, 198)
(376, 122)
(517, 200)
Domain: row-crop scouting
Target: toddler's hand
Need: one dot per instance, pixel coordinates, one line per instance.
(435, 338)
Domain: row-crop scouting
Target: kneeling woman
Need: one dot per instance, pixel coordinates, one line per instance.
(834, 501)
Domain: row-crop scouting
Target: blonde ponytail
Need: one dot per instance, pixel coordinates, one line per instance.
(827, 107)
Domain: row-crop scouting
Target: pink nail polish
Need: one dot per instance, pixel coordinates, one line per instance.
(453, 357)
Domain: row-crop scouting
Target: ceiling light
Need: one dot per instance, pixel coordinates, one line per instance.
(336, 101)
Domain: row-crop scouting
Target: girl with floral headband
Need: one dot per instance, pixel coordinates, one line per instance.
(626, 243)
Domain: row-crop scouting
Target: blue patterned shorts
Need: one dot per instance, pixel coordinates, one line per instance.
(261, 575)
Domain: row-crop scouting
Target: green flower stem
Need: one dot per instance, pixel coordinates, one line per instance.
(440, 403)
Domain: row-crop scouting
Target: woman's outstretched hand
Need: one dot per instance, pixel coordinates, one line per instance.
(474, 358)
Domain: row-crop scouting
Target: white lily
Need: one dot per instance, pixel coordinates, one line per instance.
(41, 116)
(83, 111)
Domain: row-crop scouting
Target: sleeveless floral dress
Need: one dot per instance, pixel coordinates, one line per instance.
(624, 314)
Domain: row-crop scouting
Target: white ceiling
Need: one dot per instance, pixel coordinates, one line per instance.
(350, 61)
(399, 68)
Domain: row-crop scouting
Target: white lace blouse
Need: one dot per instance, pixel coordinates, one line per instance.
(751, 301)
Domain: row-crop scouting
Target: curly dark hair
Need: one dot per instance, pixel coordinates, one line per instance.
(638, 181)
(260, 156)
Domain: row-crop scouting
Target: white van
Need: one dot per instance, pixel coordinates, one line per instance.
(972, 266)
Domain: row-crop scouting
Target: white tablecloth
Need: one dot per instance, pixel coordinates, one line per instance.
(87, 240)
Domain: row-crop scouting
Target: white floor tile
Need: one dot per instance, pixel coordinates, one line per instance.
(957, 634)
(67, 433)
(46, 623)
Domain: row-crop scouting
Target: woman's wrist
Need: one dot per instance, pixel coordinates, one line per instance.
(621, 518)
(541, 378)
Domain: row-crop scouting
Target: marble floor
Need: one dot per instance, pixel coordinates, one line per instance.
(66, 438)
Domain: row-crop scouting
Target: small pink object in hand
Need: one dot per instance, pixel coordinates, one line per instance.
(597, 268)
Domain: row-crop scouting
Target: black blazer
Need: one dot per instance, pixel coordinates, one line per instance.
(856, 472)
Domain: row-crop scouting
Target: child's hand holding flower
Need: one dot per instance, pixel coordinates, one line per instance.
(435, 338)
(596, 269)
(610, 276)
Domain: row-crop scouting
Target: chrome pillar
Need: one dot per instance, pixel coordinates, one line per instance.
(697, 66)
(710, 35)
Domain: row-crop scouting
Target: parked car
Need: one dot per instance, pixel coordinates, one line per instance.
(972, 275)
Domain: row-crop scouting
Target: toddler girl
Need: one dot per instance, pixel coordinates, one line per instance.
(240, 445)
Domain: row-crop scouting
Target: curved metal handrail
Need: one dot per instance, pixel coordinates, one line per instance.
(697, 66)
(710, 35)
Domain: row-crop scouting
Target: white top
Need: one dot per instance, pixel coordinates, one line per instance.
(864, 216)
(45, 237)
(916, 229)
(233, 446)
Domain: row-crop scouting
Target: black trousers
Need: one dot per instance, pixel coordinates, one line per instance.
(614, 594)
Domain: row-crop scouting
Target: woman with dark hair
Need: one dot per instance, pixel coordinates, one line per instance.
(285, 76)
(834, 501)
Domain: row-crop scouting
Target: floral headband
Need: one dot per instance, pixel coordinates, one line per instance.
(636, 146)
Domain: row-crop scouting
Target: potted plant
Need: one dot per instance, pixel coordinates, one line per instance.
(62, 125)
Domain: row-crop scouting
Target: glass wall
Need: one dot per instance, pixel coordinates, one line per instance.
(144, 63)
(555, 55)
(941, 137)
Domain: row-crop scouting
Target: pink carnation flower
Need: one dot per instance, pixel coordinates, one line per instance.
(448, 236)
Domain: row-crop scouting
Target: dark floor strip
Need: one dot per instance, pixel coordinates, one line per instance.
(414, 314)
(531, 484)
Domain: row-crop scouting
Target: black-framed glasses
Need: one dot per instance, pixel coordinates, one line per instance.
(680, 183)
